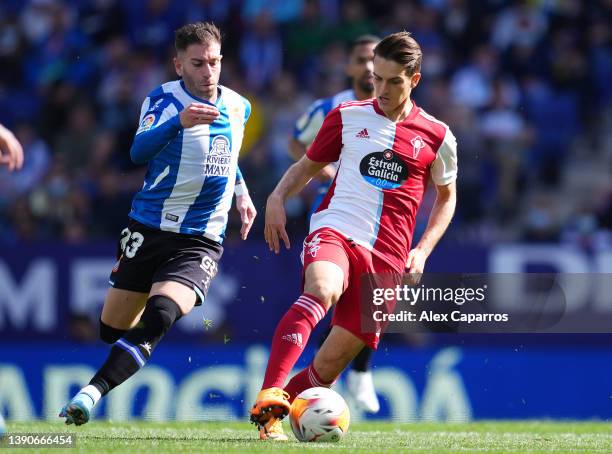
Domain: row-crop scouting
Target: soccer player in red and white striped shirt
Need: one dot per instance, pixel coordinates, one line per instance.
(387, 148)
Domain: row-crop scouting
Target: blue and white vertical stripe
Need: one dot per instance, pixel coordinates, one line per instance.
(190, 183)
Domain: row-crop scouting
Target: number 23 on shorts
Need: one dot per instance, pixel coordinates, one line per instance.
(130, 242)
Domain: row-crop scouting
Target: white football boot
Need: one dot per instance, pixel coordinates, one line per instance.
(361, 387)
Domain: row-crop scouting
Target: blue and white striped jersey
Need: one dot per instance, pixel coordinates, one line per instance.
(308, 125)
(192, 172)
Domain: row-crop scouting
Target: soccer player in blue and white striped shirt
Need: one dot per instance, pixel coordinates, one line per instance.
(190, 135)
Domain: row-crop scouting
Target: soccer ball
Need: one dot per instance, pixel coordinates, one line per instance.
(319, 414)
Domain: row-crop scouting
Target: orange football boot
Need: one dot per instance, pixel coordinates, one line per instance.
(271, 406)
(273, 430)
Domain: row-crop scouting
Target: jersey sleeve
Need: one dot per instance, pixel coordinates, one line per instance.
(155, 110)
(328, 142)
(247, 110)
(240, 188)
(309, 123)
(444, 167)
(159, 124)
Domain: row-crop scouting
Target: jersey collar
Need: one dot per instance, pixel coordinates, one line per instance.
(205, 101)
(411, 115)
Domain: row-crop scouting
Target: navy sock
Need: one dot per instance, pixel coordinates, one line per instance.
(132, 351)
(361, 363)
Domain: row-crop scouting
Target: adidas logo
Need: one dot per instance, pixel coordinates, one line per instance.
(294, 339)
(363, 134)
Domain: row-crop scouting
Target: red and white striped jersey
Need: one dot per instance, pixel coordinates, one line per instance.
(382, 175)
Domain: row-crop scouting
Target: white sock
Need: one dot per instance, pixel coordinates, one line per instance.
(92, 392)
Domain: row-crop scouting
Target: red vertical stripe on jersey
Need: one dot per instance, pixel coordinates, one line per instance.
(398, 214)
(327, 144)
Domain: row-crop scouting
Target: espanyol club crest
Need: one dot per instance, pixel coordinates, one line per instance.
(217, 162)
(417, 143)
(220, 146)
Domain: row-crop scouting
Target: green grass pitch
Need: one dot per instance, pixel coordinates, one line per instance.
(498, 437)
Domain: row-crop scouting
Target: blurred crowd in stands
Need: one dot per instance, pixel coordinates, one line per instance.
(526, 86)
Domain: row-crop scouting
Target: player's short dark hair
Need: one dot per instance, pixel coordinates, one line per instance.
(196, 33)
(364, 39)
(402, 48)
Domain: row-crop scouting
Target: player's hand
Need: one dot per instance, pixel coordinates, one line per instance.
(276, 219)
(198, 113)
(415, 265)
(247, 214)
(327, 173)
(11, 152)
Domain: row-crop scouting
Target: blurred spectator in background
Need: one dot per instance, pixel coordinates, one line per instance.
(102, 20)
(471, 83)
(554, 117)
(522, 24)
(261, 56)
(74, 144)
(506, 139)
(354, 22)
(151, 23)
(212, 10)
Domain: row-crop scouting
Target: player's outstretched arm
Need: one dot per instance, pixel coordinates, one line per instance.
(439, 220)
(292, 182)
(11, 152)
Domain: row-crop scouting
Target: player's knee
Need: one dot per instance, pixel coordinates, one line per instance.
(160, 313)
(325, 291)
(108, 334)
